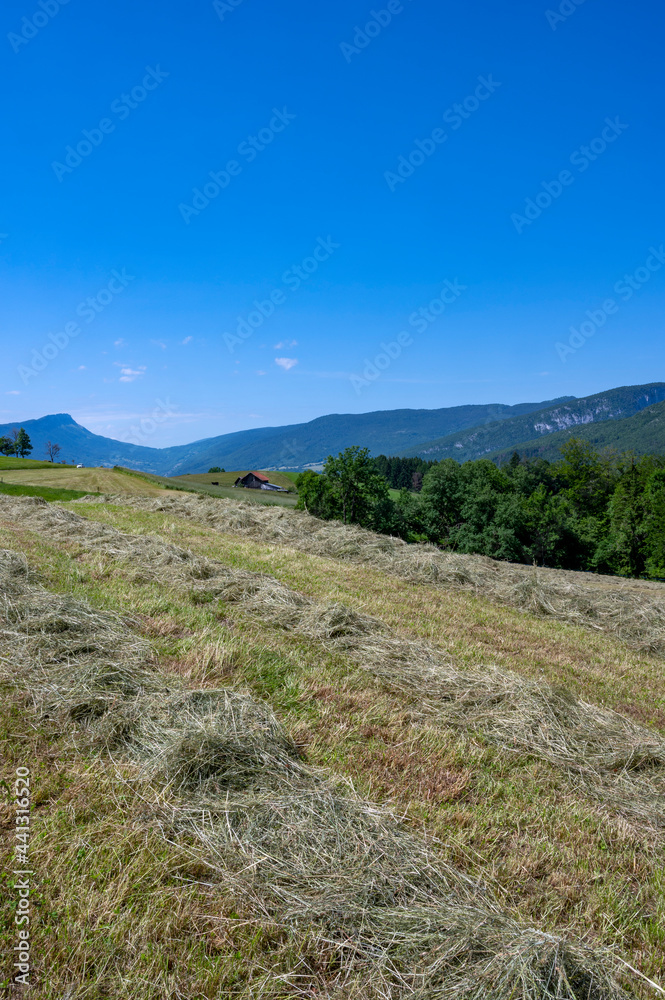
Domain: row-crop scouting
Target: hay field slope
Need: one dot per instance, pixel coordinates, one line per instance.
(202, 484)
(84, 480)
(194, 732)
(229, 478)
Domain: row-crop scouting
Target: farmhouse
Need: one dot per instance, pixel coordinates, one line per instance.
(257, 481)
(252, 481)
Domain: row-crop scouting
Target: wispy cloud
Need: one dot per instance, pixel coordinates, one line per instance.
(286, 363)
(285, 344)
(81, 368)
(129, 374)
(12, 392)
(187, 340)
(119, 343)
(261, 373)
(159, 343)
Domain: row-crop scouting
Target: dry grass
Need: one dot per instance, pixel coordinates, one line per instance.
(594, 665)
(616, 760)
(383, 915)
(87, 480)
(634, 611)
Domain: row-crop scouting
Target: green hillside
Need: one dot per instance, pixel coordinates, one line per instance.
(563, 419)
(289, 447)
(8, 462)
(229, 478)
(203, 484)
(643, 433)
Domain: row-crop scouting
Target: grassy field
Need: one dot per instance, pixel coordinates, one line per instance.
(45, 492)
(229, 478)
(203, 484)
(82, 480)
(124, 910)
(46, 476)
(28, 463)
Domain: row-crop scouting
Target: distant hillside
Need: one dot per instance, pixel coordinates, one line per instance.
(552, 423)
(642, 433)
(80, 445)
(290, 447)
(460, 432)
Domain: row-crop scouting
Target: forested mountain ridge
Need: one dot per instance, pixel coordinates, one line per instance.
(559, 421)
(642, 433)
(291, 447)
(460, 432)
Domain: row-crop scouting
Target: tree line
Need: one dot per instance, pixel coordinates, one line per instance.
(590, 511)
(18, 444)
(403, 473)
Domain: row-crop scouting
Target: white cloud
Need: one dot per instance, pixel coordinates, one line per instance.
(128, 374)
(285, 343)
(286, 363)
(81, 368)
(187, 340)
(12, 392)
(261, 373)
(159, 343)
(119, 343)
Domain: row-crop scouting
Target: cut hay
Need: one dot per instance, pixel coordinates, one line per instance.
(631, 612)
(290, 846)
(618, 762)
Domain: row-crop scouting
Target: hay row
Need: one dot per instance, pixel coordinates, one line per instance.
(605, 755)
(393, 919)
(636, 616)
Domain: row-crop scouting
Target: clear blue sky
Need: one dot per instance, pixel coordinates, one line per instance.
(179, 89)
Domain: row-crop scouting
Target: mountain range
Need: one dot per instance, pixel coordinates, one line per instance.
(630, 414)
(553, 423)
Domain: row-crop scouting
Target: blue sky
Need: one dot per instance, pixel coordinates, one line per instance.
(340, 156)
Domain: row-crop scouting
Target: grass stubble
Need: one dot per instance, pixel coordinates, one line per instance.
(386, 915)
(296, 849)
(633, 611)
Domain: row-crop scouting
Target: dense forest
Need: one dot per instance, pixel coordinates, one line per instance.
(403, 473)
(593, 511)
